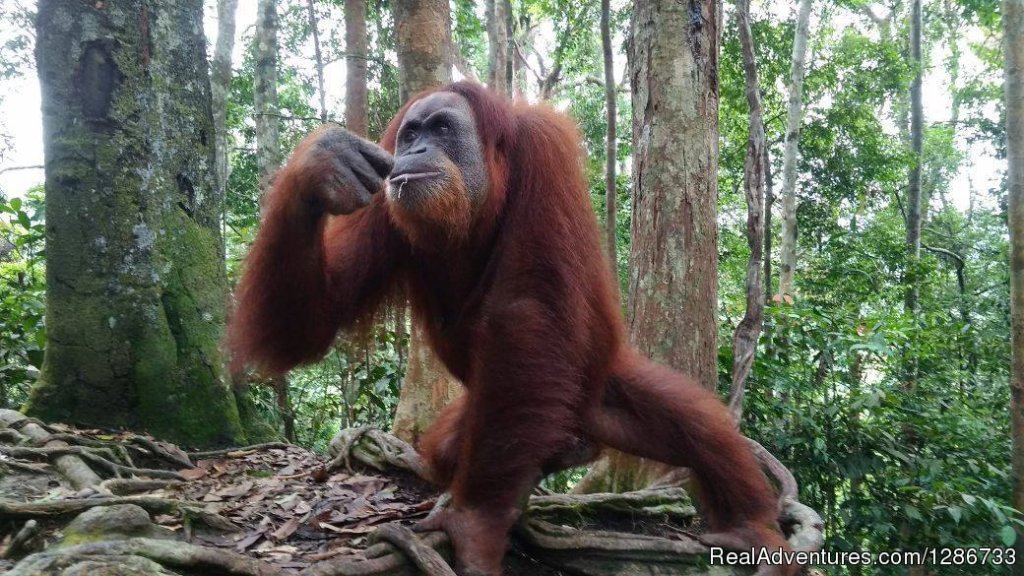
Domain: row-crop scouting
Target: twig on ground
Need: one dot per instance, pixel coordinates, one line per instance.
(238, 451)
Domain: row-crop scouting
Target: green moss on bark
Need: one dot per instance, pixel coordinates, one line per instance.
(137, 292)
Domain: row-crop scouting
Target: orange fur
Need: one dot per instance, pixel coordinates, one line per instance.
(522, 309)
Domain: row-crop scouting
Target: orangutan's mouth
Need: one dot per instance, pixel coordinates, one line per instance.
(410, 176)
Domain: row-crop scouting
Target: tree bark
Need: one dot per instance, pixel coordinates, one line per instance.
(220, 84)
(319, 58)
(674, 262)
(911, 278)
(1013, 38)
(611, 155)
(423, 44)
(423, 41)
(136, 285)
(769, 202)
(794, 114)
(356, 116)
(673, 287)
(744, 341)
(268, 139)
(497, 47)
(916, 146)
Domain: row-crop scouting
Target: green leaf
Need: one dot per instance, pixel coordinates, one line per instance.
(912, 512)
(1008, 535)
(956, 513)
(15, 204)
(24, 220)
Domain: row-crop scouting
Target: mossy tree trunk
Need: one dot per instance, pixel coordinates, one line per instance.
(136, 299)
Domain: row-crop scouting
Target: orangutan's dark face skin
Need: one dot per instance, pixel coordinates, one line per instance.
(437, 149)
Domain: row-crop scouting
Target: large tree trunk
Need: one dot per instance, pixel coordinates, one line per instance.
(789, 159)
(610, 145)
(356, 116)
(268, 139)
(136, 284)
(1013, 37)
(673, 264)
(498, 72)
(220, 84)
(423, 44)
(744, 342)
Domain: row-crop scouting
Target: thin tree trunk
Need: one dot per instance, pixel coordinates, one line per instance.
(916, 146)
(310, 5)
(220, 83)
(788, 258)
(769, 202)
(284, 406)
(497, 47)
(1013, 38)
(674, 259)
(744, 341)
(509, 46)
(136, 288)
(268, 140)
(611, 155)
(268, 130)
(356, 115)
(914, 209)
(423, 43)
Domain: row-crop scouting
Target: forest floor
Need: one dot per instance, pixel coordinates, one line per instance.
(110, 496)
(276, 503)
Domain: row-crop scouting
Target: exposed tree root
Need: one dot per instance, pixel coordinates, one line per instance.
(376, 449)
(153, 505)
(71, 467)
(788, 488)
(165, 552)
(91, 455)
(167, 452)
(21, 542)
(128, 486)
(424, 557)
(390, 562)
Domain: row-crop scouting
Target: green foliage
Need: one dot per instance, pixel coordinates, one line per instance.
(469, 34)
(353, 385)
(886, 464)
(825, 398)
(22, 295)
